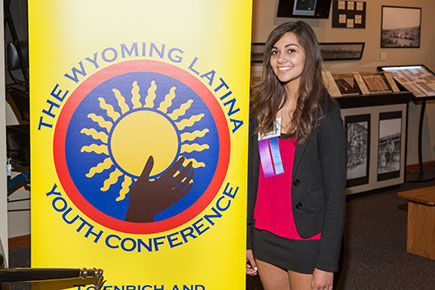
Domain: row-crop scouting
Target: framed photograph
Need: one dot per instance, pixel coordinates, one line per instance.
(376, 83)
(304, 8)
(257, 52)
(389, 145)
(358, 149)
(400, 27)
(341, 50)
(346, 84)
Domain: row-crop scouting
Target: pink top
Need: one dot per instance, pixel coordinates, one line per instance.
(273, 208)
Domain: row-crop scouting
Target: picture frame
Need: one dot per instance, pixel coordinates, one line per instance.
(375, 83)
(341, 50)
(400, 27)
(346, 84)
(389, 145)
(349, 14)
(257, 52)
(304, 8)
(358, 149)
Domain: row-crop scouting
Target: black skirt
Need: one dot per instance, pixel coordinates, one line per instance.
(295, 255)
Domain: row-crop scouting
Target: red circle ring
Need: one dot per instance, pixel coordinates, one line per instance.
(140, 66)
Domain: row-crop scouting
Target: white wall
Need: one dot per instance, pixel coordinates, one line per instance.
(3, 191)
(264, 20)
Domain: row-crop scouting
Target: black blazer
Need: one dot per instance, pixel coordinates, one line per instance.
(317, 185)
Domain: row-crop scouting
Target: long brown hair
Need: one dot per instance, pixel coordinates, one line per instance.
(267, 99)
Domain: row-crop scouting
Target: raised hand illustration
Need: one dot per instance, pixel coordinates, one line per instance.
(149, 197)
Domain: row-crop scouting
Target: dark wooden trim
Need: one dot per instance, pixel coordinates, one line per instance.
(18, 242)
(347, 102)
(414, 167)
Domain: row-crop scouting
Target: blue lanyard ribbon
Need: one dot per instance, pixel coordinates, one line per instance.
(276, 155)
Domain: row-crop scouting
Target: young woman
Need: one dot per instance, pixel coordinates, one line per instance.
(297, 167)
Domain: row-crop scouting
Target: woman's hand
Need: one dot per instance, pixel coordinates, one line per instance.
(322, 280)
(251, 266)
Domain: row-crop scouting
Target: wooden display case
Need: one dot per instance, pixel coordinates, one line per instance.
(376, 135)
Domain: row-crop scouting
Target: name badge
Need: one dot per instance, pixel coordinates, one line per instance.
(270, 156)
(276, 132)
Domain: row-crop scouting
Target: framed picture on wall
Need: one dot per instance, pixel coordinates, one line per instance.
(341, 50)
(401, 27)
(304, 8)
(348, 14)
(358, 149)
(389, 145)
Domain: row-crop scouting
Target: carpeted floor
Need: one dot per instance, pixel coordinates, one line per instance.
(375, 254)
(375, 245)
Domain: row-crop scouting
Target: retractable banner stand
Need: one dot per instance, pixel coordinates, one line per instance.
(139, 128)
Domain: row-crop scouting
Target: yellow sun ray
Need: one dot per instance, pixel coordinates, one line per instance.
(99, 149)
(109, 110)
(100, 121)
(149, 99)
(95, 134)
(190, 136)
(168, 101)
(135, 96)
(180, 111)
(121, 101)
(189, 122)
(100, 167)
(125, 188)
(113, 178)
(195, 164)
(188, 148)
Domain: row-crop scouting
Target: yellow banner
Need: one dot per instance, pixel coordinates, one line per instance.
(139, 123)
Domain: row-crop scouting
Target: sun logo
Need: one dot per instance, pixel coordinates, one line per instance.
(120, 117)
(119, 124)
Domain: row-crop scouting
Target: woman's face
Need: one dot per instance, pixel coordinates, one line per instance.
(287, 59)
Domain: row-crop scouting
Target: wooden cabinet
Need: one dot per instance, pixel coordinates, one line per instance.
(376, 128)
(421, 221)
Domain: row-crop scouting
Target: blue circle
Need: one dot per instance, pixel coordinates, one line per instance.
(79, 163)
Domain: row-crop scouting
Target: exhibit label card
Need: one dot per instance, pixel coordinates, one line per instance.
(139, 129)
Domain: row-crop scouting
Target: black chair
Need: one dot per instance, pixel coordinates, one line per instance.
(17, 92)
